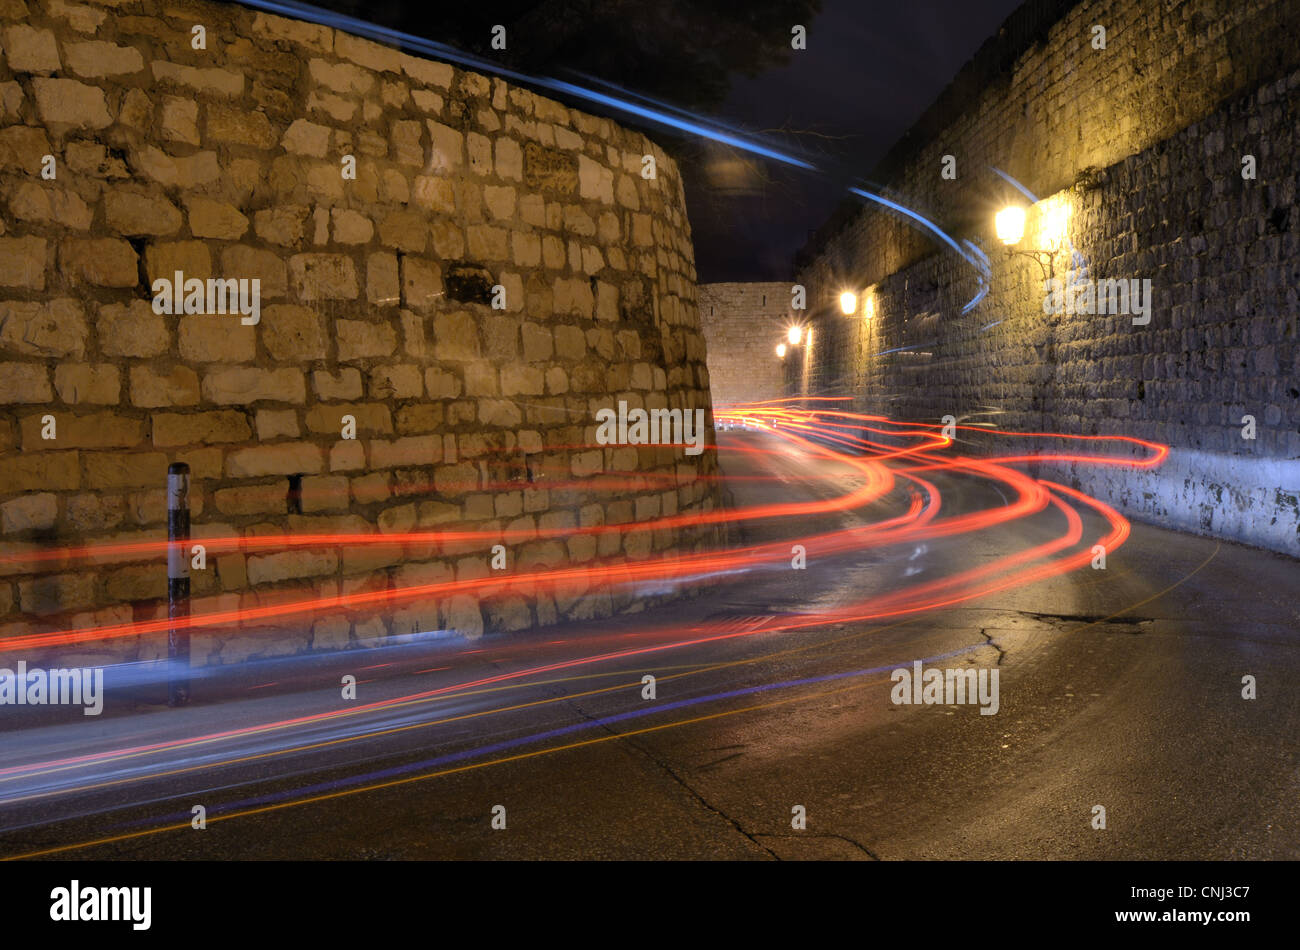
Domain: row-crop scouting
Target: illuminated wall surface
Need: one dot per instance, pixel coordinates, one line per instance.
(743, 322)
(498, 270)
(1167, 156)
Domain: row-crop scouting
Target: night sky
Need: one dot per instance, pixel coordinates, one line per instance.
(869, 72)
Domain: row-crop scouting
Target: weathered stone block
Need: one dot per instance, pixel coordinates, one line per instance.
(228, 125)
(34, 512)
(383, 287)
(191, 258)
(200, 427)
(150, 389)
(44, 204)
(325, 493)
(132, 329)
(180, 120)
(133, 213)
(56, 593)
(114, 470)
(289, 458)
(549, 170)
(277, 424)
(351, 227)
(206, 80)
(23, 263)
(248, 384)
(371, 418)
(306, 138)
(88, 383)
(286, 565)
(30, 50)
(216, 219)
(56, 328)
(216, 338)
(396, 382)
(293, 334)
(595, 180)
(421, 283)
(190, 171)
(358, 339)
(426, 71)
(341, 77)
(242, 262)
(487, 243)
(311, 35)
(283, 225)
(44, 471)
(448, 148)
(412, 450)
(344, 383)
(404, 230)
(22, 148)
(102, 430)
(97, 58)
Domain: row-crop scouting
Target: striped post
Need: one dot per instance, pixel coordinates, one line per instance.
(178, 583)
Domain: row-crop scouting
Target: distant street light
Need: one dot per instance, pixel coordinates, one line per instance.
(780, 350)
(848, 302)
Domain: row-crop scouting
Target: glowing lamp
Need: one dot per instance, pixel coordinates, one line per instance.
(780, 350)
(848, 302)
(794, 335)
(1010, 224)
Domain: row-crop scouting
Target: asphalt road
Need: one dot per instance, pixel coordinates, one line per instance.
(1119, 687)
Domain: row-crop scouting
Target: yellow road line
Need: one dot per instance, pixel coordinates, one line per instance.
(587, 742)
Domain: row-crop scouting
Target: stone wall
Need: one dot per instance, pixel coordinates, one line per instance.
(743, 323)
(380, 300)
(1135, 148)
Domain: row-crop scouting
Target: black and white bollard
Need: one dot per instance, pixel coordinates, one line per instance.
(178, 583)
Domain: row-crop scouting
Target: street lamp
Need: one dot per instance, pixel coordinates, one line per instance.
(1010, 224)
(848, 302)
(780, 350)
(794, 335)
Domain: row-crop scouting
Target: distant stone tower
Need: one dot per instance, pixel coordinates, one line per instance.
(743, 323)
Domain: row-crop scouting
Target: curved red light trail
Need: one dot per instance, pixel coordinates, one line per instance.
(875, 471)
(892, 486)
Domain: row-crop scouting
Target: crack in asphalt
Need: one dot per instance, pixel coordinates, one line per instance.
(1002, 654)
(827, 834)
(725, 758)
(1117, 620)
(672, 773)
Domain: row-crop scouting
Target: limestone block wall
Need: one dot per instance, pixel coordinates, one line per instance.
(1040, 104)
(127, 155)
(1143, 201)
(743, 322)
